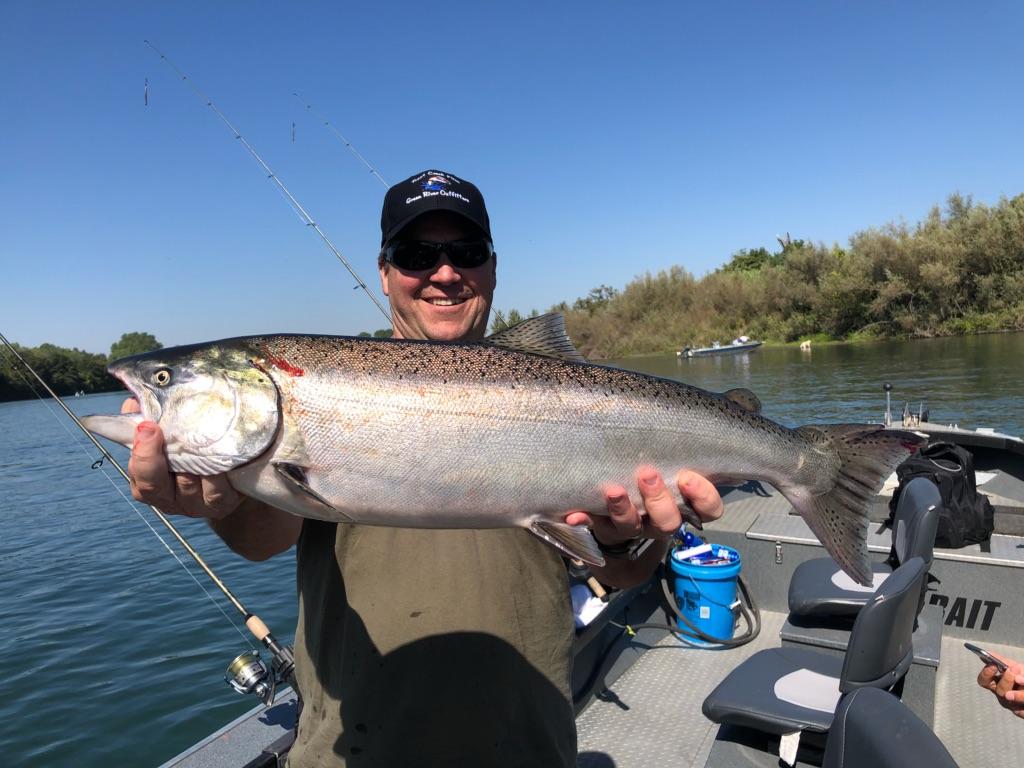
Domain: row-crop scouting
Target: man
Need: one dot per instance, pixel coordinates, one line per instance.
(429, 647)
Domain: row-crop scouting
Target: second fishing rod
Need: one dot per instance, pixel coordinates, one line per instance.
(247, 673)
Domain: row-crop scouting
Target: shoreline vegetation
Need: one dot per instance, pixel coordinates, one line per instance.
(67, 371)
(958, 272)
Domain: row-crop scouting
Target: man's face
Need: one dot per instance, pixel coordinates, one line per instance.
(443, 303)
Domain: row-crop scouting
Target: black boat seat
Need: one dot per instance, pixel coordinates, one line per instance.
(820, 589)
(789, 690)
(874, 728)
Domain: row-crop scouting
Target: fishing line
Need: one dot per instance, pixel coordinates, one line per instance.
(296, 206)
(344, 141)
(364, 161)
(283, 661)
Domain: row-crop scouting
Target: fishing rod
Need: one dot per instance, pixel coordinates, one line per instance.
(351, 147)
(344, 141)
(248, 674)
(296, 205)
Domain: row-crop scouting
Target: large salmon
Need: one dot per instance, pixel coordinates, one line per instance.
(511, 431)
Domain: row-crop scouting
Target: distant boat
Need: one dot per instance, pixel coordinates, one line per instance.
(742, 344)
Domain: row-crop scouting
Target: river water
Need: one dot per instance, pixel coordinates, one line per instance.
(114, 653)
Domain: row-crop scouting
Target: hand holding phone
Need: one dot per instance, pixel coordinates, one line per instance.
(985, 656)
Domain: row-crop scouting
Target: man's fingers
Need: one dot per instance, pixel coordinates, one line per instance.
(663, 514)
(623, 515)
(701, 495)
(147, 466)
(219, 497)
(130, 405)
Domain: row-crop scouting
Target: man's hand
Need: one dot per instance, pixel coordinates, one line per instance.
(662, 519)
(251, 528)
(1008, 687)
(152, 481)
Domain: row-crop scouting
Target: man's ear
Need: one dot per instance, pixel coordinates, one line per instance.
(383, 268)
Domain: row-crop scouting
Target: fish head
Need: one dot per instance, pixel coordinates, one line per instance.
(216, 407)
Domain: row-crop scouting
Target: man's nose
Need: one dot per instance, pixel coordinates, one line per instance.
(445, 273)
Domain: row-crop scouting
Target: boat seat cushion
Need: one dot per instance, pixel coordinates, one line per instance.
(779, 690)
(820, 588)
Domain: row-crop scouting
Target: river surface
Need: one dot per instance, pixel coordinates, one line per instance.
(115, 655)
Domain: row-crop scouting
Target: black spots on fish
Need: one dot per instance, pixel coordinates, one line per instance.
(361, 728)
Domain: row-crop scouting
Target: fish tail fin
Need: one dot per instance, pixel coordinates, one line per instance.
(866, 455)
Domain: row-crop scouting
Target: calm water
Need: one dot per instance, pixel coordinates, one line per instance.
(115, 655)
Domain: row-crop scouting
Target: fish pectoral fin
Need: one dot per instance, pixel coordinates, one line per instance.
(295, 476)
(541, 335)
(576, 541)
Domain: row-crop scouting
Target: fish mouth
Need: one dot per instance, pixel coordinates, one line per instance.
(120, 428)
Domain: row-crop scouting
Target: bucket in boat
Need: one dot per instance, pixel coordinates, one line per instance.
(705, 588)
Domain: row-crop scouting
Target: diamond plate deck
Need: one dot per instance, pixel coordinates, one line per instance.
(653, 718)
(975, 729)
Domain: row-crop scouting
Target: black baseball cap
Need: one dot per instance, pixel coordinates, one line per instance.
(431, 191)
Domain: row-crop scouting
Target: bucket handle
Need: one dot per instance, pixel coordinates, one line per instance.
(705, 597)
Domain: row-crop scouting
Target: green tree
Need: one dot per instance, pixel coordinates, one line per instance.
(134, 343)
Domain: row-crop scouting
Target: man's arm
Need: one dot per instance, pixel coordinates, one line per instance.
(663, 519)
(251, 528)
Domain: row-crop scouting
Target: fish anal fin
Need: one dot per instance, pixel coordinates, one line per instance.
(295, 476)
(541, 335)
(576, 541)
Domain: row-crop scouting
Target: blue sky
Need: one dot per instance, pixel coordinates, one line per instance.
(609, 138)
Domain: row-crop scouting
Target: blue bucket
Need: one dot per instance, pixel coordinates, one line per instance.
(705, 588)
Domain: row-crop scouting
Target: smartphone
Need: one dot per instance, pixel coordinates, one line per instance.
(985, 656)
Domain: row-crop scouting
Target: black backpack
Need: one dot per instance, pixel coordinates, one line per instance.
(966, 516)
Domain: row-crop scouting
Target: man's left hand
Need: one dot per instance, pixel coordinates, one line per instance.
(664, 516)
(661, 518)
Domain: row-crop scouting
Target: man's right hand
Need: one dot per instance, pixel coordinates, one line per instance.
(252, 528)
(153, 483)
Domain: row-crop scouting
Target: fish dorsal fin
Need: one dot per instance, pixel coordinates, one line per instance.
(541, 335)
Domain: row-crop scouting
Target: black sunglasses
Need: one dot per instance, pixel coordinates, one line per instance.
(420, 255)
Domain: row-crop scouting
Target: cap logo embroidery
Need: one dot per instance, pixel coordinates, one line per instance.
(435, 184)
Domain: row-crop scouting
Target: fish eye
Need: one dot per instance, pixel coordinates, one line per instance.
(162, 377)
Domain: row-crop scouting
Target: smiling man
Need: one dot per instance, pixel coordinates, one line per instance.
(437, 262)
(426, 646)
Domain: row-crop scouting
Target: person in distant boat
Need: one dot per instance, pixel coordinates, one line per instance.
(1007, 687)
(419, 646)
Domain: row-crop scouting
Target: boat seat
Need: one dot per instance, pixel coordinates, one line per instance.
(790, 690)
(820, 589)
(872, 727)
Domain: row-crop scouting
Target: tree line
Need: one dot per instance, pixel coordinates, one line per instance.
(959, 271)
(68, 371)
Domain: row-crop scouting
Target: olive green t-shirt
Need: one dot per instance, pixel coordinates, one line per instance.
(432, 648)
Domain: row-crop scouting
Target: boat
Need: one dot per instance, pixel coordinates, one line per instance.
(739, 344)
(638, 692)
